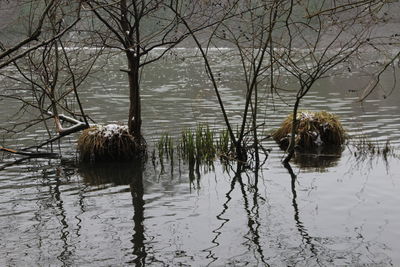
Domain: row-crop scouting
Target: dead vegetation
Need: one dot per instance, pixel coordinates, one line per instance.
(363, 148)
(314, 129)
(108, 143)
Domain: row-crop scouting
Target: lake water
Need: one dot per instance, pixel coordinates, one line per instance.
(338, 210)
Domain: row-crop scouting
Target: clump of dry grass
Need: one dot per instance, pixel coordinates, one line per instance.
(108, 143)
(314, 129)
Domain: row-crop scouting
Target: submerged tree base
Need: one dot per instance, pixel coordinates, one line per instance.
(112, 142)
(314, 130)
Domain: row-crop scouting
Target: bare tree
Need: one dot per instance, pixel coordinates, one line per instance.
(250, 32)
(36, 22)
(317, 38)
(305, 40)
(136, 28)
(247, 25)
(51, 75)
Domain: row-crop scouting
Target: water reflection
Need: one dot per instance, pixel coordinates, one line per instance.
(194, 177)
(65, 253)
(253, 217)
(82, 207)
(218, 231)
(126, 173)
(118, 173)
(318, 160)
(15, 162)
(95, 218)
(307, 239)
(248, 191)
(137, 192)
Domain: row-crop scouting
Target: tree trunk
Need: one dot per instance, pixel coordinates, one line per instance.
(135, 117)
(292, 140)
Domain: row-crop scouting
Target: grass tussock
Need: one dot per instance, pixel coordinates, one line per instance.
(198, 144)
(204, 144)
(108, 143)
(166, 146)
(314, 129)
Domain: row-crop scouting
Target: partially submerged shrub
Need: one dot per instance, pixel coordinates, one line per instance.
(314, 129)
(109, 143)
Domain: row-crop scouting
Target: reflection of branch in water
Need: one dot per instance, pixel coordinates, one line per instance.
(137, 192)
(68, 169)
(217, 231)
(81, 202)
(124, 173)
(63, 257)
(9, 164)
(253, 223)
(299, 224)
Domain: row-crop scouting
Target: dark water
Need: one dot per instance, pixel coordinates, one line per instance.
(338, 211)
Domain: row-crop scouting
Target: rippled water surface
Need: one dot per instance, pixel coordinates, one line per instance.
(338, 211)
